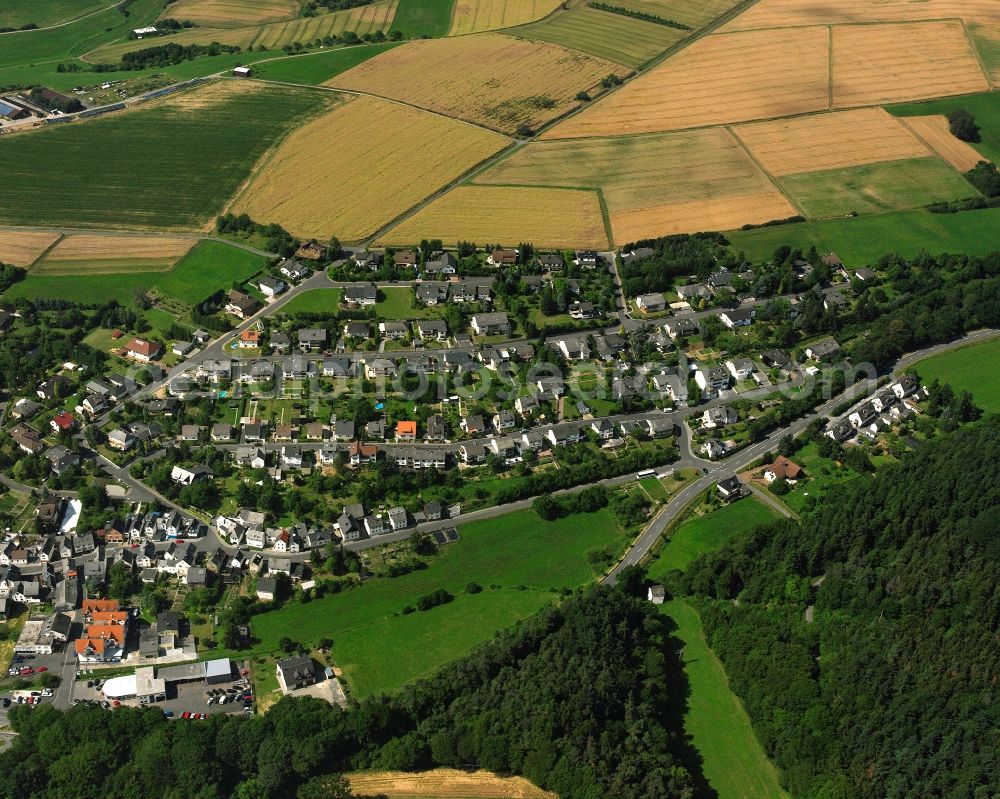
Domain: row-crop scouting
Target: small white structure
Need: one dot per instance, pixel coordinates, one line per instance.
(241, 72)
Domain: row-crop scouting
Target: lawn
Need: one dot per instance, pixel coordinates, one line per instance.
(865, 239)
(517, 558)
(709, 532)
(210, 266)
(315, 68)
(423, 18)
(654, 488)
(733, 761)
(984, 107)
(313, 301)
(170, 164)
(397, 304)
(964, 369)
(875, 188)
(823, 474)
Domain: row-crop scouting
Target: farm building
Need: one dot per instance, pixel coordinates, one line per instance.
(10, 111)
(241, 72)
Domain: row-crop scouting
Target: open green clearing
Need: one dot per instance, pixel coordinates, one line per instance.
(423, 18)
(517, 558)
(210, 266)
(707, 533)
(314, 301)
(984, 107)
(654, 488)
(396, 303)
(874, 188)
(316, 68)
(15, 13)
(973, 368)
(136, 168)
(865, 239)
(612, 36)
(822, 473)
(69, 41)
(988, 45)
(733, 761)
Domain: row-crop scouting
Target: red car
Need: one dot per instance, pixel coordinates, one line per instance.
(40, 669)
(25, 672)
(116, 703)
(185, 715)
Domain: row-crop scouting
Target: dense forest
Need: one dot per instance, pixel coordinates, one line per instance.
(579, 699)
(891, 691)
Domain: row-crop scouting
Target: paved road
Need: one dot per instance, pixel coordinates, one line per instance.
(744, 457)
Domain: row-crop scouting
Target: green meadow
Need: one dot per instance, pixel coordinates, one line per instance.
(316, 68)
(520, 561)
(973, 368)
(863, 240)
(15, 13)
(166, 165)
(984, 107)
(314, 301)
(210, 266)
(416, 19)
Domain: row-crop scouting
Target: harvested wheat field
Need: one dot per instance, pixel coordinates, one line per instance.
(637, 173)
(22, 249)
(935, 132)
(829, 141)
(473, 16)
(693, 13)
(508, 215)
(494, 80)
(784, 13)
(737, 77)
(444, 783)
(358, 167)
(232, 13)
(875, 64)
(112, 254)
(728, 213)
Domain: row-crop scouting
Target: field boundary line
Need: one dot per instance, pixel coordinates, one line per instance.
(44, 254)
(606, 216)
(979, 56)
(773, 180)
(855, 24)
(829, 68)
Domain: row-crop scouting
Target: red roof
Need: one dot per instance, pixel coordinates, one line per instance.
(784, 468)
(64, 419)
(406, 428)
(142, 347)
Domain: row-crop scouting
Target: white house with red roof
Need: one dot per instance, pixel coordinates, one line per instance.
(62, 421)
(141, 350)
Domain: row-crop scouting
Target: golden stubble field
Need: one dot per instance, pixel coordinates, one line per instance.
(829, 141)
(933, 130)
(717, 80)
(444, 783)
(895, 62)
(507, 215)
(473, 16)
(226, 13)
(356, 168)
(782, 13)
(19, 248)
(490, 79)
(109, 254)
(638, 175)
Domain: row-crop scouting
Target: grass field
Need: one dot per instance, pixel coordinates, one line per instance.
(718, 79)
(223, 13)
(639, 175)
(67, 41)
(985, 108)
(91, 255)
(444, 783)
(15, 13)
(487, 78)
(417, 18)
(784, 13)
(972, 368)
(823, 475)
(272, 36)
(316, 68)
(475, 16)
(865, 239)
(934, 130)
(137, 168)
(905, 61)
(708, 533)
(874, 188)
(829, 141)
(517, 558)
(615, 37)
(388, 158)
(733, 761)
(208, 267)
(507, 215)
(313, 301)
(987, 41)
(20, 248)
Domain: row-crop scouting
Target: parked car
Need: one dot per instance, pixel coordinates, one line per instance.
(168, 713)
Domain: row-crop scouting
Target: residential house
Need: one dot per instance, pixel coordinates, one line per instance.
(502, 258)
(186, 477)
(563, 434)
(357, 330)
(486, 324)
(823, 350)
(312, 338)
(712, 380)
(781, 468)
(503, 421)
(250, 339)
(681, 327)
(588, 259)
(719, 416)
(240, 304)
(729, 487)
(432, 293)
(437, 428)
(737, 317)
(360, 296)
(740, 368)
(393, 330)
(406, 431)
(432, 329)
(141, 350)
(651, 303)
(297, 672)
(271, 286)
(361, 454)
